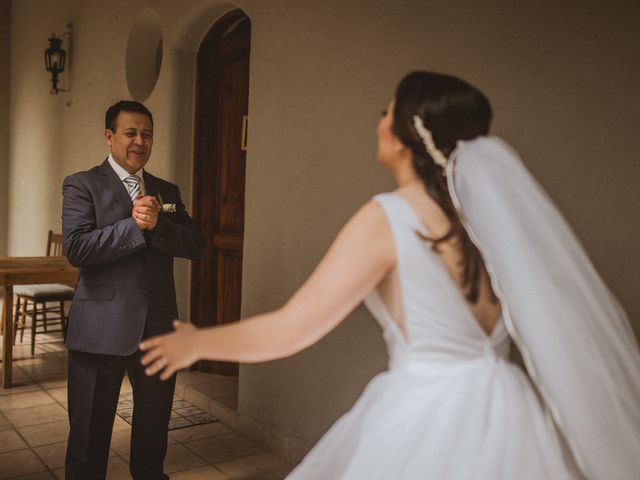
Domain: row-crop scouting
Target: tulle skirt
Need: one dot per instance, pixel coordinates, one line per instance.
(474, 420)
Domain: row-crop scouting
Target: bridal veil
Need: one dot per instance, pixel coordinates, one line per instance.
(575, 338)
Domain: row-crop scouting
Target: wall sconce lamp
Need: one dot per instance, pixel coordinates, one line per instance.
(55, 59)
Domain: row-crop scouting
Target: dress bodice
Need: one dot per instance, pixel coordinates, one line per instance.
(440, 327)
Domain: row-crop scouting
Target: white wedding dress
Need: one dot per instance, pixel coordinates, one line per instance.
(451, 405)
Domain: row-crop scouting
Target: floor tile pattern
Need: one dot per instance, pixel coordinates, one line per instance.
(183, 413)
(34, 426)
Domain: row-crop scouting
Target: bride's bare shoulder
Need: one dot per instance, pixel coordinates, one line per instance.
(371, 215)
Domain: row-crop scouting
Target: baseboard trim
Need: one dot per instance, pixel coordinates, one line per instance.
(288, 447)
(283, 444)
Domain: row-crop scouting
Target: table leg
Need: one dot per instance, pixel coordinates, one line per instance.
(7, 338)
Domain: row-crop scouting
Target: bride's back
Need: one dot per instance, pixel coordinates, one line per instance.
(486, 310)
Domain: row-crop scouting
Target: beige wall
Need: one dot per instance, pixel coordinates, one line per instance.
(564, 93)
(562, 83)
(37, 145)
(5, 69)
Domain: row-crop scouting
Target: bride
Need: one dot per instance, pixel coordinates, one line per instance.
(465, 257)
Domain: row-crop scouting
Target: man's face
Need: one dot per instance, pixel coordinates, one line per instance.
(132, 141)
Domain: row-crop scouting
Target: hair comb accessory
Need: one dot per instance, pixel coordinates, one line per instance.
(427, 139)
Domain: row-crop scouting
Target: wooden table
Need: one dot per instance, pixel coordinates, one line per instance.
(25, 271)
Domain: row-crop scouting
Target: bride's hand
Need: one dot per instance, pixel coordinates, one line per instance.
(172, 351)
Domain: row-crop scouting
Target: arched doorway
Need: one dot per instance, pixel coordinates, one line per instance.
(222, 92)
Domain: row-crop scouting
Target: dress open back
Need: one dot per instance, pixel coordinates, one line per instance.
(451, 404)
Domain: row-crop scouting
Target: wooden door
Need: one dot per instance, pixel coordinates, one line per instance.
(222, 91)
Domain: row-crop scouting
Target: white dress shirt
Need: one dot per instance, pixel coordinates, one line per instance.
(122, 174)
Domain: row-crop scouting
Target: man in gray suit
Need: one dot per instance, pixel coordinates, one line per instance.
(123, 227)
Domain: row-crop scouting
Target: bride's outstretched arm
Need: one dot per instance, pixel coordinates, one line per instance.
(360, 256)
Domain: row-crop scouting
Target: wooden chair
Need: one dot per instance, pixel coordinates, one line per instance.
(35, 302)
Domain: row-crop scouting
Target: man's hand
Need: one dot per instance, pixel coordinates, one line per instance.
(145, 212)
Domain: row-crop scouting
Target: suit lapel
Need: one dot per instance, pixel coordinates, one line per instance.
(113, 183)
(150, 184)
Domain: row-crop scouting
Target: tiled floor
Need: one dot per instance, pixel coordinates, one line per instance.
(34, 427)
(183, 413)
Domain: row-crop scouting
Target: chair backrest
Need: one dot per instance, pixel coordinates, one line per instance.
(54, 245)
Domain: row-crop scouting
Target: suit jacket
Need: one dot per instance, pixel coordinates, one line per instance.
(125, 279)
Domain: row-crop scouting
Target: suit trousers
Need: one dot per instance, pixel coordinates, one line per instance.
(94, 382)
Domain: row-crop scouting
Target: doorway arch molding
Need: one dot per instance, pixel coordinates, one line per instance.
(191, 31)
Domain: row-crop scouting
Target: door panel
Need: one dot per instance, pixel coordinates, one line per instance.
(222, 91)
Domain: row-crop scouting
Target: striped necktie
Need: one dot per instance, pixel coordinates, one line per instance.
(133, 184)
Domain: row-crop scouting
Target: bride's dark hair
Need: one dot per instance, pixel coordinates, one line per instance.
(452, 110)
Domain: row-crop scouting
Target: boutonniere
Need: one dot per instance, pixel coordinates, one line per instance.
(166, 207)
